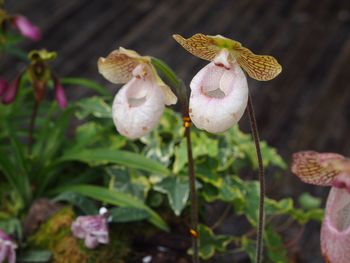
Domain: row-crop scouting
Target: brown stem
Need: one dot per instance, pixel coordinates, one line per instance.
(261, 224)
(192, 183)
(32, 125)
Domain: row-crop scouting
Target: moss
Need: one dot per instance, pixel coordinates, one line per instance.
(56, 236)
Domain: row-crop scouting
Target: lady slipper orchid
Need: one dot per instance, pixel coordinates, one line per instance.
(219, 91)
(330, 169)
(93, 229)
(7, 248)
(140, 103)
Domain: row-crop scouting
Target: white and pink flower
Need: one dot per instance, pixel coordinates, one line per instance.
(7, 248)
(219, 91)
(330, 169)
(139, 105)
(93, 229)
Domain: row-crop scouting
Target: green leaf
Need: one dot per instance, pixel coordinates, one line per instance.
(276, 250)
(94, 106)
(177, 190)
(308, 201)
(81, 202)
(106, 155)
(115, 198)
(85, 83)
(249, 247)
(34, 256)
(12, 226)
(128, 214)
(209, 242)
(122, 181)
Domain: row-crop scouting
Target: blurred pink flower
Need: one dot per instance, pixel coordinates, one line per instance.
(7, 248)
(93, 229)
(26, 28)
(3, 86)
(10, 94)
(60, 94)
(330, 169)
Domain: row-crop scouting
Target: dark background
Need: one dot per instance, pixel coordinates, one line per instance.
(306, 107)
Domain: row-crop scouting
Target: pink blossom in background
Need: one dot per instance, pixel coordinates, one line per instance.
(60, 94)
(3, 86)
(93, 229)
(7, 248)
(26, 28)
(10, 94)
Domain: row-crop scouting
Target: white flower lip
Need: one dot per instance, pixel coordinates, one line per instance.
(335, 232)
(138, 106)
(219, 95)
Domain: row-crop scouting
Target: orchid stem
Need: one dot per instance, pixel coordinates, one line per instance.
(181, 92)
(261, 224)
(32, 125)
(192, 183)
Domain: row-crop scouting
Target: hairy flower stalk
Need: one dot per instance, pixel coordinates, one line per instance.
(140, 103)
(329, 169)
(219, 93)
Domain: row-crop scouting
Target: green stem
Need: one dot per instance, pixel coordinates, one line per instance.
(181, 92)
(32, 125)
(261, 224)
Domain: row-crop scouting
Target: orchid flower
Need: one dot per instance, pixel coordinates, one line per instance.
(40, 73)
(140, 103)
(330, 169)
(93, 229)
(219, 91)
(7, 248)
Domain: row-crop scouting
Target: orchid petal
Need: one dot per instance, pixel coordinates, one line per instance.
(91, 241)
(335, 232)
(60, 94)
(3, 86)
(118, 66)
(137, 107)
(26, 28)
(10, 94)
(316, 168)
(208, 47)
(342, 181)
(218, 97)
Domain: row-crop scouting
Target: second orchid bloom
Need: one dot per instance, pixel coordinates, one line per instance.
(140, 103)
(219, 91)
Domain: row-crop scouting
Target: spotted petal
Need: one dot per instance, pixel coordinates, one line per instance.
(200, 45)
(117, 67)
(258, 67)
(316, 168)
(208, 47)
